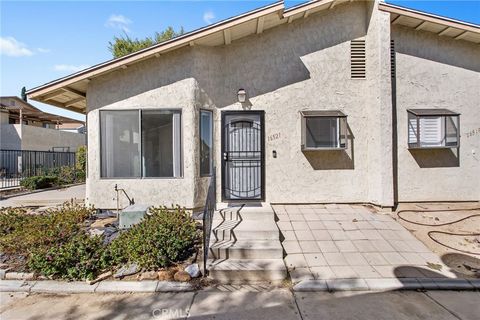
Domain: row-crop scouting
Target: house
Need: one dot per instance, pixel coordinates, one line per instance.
(24, 127)
(331, 101)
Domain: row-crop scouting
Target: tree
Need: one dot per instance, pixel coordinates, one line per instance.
(123, 45)
(24, 94)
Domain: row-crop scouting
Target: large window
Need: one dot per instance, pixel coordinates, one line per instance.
(324, 130)
(433, 128)
(206, 142)
(138, 144)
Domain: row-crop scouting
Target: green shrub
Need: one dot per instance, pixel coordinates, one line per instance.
(39, 182)
(21, 232)
(165, 236)
(81, 157)
(82, 257)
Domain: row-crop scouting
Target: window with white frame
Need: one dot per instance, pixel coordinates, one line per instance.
(324, 130)
(433, 128)
(206, 142)
(140, 144)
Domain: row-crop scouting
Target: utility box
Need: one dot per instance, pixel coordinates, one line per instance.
(132, 215)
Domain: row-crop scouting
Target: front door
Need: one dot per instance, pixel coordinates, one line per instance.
(243, 155)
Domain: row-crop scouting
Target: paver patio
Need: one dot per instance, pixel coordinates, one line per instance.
(324, 242)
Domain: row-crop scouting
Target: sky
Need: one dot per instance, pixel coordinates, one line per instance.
(45, 40)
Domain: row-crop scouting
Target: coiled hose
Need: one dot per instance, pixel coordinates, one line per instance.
(430, 233)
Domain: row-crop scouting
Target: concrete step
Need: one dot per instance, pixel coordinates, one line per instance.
(247, 270)
(243, 215)
(246, 249)
(245, 230)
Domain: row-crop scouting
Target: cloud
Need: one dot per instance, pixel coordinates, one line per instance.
(43, 50)
(118, 21)
(69, 67)
(9, 46)
(208, 16)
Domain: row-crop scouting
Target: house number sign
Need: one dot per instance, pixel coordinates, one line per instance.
(274, 137)
(473, 132)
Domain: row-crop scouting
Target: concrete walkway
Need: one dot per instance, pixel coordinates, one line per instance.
(325, 242)
(46, 198)
(244, 302)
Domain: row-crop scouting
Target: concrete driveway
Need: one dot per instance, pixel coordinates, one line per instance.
(249, 303)
(46, 198)
(324, 242)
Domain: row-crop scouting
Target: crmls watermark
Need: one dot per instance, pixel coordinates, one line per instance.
(169, 313)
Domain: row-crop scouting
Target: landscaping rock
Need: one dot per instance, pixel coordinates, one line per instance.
(96, 232)
(165, 275)
(149, 275)
(182, 276)
(193, 270)
(19, 276)
(126, 270)
(101, 277)
(102, 223)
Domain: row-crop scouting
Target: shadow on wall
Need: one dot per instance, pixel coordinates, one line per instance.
(333, 159)
(436, 158)
(431, 47)
(259, 63)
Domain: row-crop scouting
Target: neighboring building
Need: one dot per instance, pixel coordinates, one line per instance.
(329, 101)
(24, 127)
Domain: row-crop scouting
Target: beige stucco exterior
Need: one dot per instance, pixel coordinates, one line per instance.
(438, 72)
(28, 137)
(303, 65)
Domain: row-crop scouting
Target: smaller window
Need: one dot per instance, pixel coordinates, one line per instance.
(206, 142)
(433, 128)
(324, 130)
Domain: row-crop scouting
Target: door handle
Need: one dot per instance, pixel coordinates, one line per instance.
(225, 156)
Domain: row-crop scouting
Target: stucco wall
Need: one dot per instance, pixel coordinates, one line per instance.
(138, 89)
(437, 72)
(298, 66)
(4, 115)
(11, 136)
(43, 139)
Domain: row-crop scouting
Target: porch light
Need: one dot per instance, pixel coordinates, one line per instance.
(433, 128)
(241, 95)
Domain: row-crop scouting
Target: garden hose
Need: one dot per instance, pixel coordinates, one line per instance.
(430, 233)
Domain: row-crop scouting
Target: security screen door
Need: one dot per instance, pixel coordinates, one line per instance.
(243, 155)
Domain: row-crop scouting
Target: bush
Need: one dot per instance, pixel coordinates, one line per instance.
(81, 156)
(21, 232)
(165, 236)
(39, 182)
(82, 257)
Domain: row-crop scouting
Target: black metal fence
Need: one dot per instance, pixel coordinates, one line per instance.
(208, 212)
(18, 164)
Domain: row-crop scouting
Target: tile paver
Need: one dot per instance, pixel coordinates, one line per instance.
(321, 235)
(315, 259)
(325, 242)
(309, 246)
(345, 246)
(304, 235)
(327, 246)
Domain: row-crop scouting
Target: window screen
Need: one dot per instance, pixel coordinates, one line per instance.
(206, 142)
(324, 130)
(120, 144)
(158, 154)
(161, 144)
(429, 130)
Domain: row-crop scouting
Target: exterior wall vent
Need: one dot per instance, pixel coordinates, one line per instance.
(392, 58)
(357, 59)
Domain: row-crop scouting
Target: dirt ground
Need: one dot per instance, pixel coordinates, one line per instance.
(435, 225)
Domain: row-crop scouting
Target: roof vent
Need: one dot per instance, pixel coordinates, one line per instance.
(357, 59)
